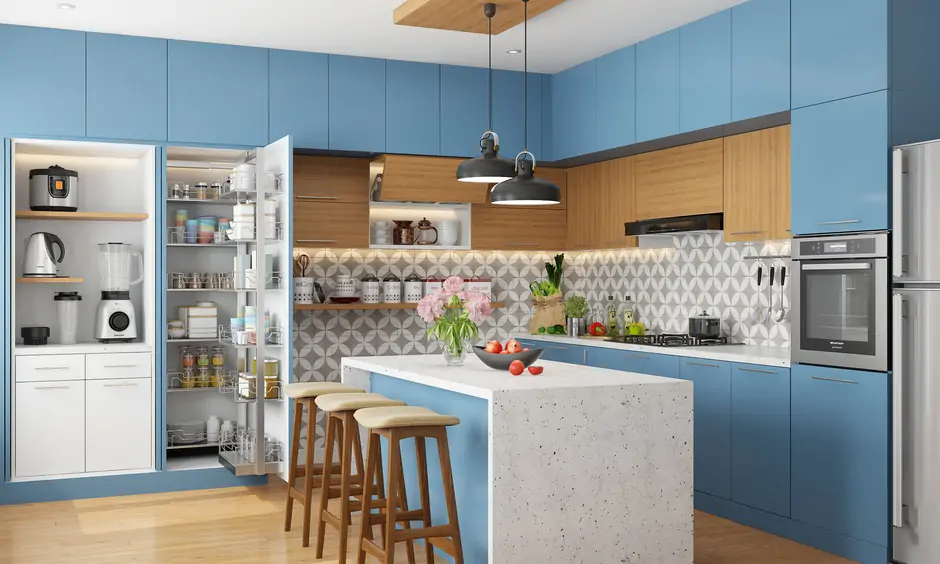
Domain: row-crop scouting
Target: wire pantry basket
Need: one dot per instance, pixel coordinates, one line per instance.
(240, 447)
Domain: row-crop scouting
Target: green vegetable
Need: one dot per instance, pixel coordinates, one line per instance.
(541, 330)
(534, 288)
(554, 271)
(559, 329)
(576, 306)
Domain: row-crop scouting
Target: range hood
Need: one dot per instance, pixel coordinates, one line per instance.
(670, 225)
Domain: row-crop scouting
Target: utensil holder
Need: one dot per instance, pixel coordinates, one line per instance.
(303, 290)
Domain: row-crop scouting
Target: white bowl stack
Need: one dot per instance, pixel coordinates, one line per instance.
(381, 233)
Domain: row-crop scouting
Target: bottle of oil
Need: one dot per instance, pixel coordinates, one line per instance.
(612, 330)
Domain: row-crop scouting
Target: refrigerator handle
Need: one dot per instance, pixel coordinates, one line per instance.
(897, 406)
(899, 262)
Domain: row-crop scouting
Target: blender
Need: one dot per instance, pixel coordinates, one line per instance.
(115, 321)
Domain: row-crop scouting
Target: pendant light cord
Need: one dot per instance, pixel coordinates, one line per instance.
(489, 76)
(525, 75)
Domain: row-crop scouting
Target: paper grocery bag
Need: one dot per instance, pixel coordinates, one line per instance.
(546, 312)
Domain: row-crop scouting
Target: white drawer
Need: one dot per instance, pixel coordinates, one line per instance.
(50, 368)
(117, 365)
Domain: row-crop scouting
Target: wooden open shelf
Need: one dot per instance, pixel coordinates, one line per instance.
(364, 307)
(81, 216)
(38, 280)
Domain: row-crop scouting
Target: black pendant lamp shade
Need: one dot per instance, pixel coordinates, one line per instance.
(525, 189)
(489, 167)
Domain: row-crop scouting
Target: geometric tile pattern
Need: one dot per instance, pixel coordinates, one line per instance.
(665, 287)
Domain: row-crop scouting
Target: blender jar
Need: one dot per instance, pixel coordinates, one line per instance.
(66, 305)
(114, 267)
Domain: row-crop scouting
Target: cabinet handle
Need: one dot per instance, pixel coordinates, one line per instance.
(839, 222)
(316, 240)
(558, 347)
(523, 244)
(51, 387)
(52, 367)
(746, 232)
(316, 197)
(120, 366)
(639, 356)
(839, 380)
(120, 384)
(758, 371)
(702, 364)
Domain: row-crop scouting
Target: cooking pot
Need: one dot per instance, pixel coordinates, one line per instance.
(704, 326)
(53, 189)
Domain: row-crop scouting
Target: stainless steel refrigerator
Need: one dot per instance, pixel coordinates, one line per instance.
(916, 353)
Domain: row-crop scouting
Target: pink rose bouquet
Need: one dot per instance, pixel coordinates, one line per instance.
(453, 315)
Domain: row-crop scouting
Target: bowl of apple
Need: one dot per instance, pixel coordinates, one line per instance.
(499, 356)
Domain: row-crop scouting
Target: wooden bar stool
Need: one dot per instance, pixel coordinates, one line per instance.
(304, 394)
(396, 424)
(342, 427)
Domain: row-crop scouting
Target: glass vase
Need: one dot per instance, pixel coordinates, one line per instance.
(455, 352)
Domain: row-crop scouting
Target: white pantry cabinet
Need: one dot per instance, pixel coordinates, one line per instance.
(117, 425)
(50, 428)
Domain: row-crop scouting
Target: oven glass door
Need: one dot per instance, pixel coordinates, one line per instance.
(837, 306)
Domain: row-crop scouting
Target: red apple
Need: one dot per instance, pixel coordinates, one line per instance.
(513, 346)
(516, 368)
(536, 370)
(494, 347)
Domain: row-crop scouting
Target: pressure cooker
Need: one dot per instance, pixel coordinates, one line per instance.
(704, 326)
(53, 189)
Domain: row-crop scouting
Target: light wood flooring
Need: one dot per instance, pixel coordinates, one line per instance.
(245, 525)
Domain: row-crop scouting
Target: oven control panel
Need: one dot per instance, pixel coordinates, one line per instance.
(836, 247)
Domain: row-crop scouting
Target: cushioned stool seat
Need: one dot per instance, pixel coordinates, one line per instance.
(346, 402)
(403, 416)
(314, 389)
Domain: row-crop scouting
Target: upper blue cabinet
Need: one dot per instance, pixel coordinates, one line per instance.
(616, 99)
(508, 119)
(760, 58)
(464, 110)
(126, 84)
(300, 98)
(412, 108)
(218, 94)
(840, 166)
(839, 49)
(357, 104)
(574, 112)
(705, 72)
(43, 76)
(657, 86)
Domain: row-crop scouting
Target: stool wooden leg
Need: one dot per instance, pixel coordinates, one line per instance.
(309, 474)
(365, 532)
(294, 453)
(380, 484)
(357, 451)
(391, 500)
(349, 429)
(421, 454)
(447, 474)
(325, 491)
(403, 504)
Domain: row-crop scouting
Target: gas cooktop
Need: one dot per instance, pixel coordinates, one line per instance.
(671, 340)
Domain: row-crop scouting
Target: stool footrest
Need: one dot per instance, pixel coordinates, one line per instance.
(445, 544)
(373, 549)
(425, 533)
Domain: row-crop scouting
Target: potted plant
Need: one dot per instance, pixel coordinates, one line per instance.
(576, 310)
(454, 315)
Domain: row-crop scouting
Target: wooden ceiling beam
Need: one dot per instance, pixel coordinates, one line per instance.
(467, 15)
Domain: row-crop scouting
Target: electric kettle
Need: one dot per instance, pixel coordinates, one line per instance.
(40, 259)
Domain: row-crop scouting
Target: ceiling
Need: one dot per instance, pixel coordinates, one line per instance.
(574, 32)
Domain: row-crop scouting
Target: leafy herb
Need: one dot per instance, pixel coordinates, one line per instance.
(576, 306)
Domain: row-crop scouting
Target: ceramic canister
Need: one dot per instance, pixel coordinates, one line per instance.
(414, 289)
(432, 284)
(371, 289)
(391, 290)
(345, 286)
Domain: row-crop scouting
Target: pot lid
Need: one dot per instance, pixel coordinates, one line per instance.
(54, 170)
(703, 315)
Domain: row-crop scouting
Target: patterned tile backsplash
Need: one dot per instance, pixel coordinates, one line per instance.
(666, 286)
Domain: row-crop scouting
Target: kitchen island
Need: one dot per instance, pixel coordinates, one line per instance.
(578, 464)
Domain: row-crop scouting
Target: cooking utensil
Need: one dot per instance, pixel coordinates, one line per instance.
(770, 292)
(757, 313)
(35, 335)
(53, 189)
(304, 262)
(318, 290)
(704, 326)
(783, 312)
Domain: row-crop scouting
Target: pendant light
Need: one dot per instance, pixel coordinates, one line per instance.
(524, 189)
(489, 167)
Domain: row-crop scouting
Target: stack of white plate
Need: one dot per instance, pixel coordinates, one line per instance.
(381, 233)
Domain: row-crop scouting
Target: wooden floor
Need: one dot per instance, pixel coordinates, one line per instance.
(242, 525)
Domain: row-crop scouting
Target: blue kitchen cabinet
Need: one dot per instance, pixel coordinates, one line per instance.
(412, 108)
(572, 354)
(839, 49)
(574, 112)
(760, 437)
(840, 166)
(126, 80)
(760, 58)
(464, 110)
(657, 86)
(43, 76)
(616, 99)
(705, 72)
(508, 119)
(712, 434)
(840, 458)
(357, 104)
(634, 361)
(218, 94)
(300, 98)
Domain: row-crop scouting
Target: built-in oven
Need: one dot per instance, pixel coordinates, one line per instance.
(840, 301)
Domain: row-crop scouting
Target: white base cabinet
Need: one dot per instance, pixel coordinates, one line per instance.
(50, 428)
(118, 427)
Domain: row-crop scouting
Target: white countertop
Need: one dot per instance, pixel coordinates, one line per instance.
(747, 354)
(82, 348)
(476, 379)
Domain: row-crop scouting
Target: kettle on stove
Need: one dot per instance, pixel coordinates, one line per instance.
(39, 259)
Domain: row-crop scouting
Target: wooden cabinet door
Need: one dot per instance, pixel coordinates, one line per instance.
(612, 205)
(322, 224)
(685, 180)
(331, 179)
(427, 179)
(757, 185)
(509, 228)
(583, 191)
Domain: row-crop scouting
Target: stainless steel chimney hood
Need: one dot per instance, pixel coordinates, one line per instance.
(683, 224)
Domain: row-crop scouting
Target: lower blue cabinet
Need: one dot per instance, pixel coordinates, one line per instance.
(571, 354)
(840, 442)
(712, 413)
(760, 437)
(634, 361)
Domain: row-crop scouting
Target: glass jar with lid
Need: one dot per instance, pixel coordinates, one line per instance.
(218, 356)
(202, 357)
(187, 360)
(188, 378)
(202, 190)
(217, 377)
(202, 377)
